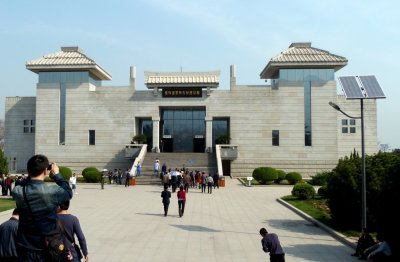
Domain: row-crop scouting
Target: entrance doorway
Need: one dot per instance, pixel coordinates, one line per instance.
(183, 129)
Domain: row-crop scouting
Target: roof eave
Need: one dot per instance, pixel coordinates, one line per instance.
(94, 69)
(271, 68)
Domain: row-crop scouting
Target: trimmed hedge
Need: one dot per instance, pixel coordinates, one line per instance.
(293, 177)
(281, 175)
(91, 174)
(321, 178)
(66, 172)
(303, 191)
(265, 175)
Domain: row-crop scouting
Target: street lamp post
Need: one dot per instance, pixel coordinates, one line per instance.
(363, 177)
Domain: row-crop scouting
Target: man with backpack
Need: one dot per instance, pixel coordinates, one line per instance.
(37, 203)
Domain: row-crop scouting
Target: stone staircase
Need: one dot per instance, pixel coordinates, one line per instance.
(193, 161)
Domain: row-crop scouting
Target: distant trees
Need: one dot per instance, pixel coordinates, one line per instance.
(383, 191)
(3, 163)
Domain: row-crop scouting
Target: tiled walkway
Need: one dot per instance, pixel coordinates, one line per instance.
(127, 224)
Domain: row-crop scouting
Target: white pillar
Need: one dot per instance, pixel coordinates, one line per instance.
(156, 134)
(208, 134)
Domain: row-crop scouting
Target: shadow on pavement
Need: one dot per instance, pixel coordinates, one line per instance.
(195, 228)
(312, 256)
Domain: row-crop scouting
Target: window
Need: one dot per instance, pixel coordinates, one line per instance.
(348, 126)
(92, 137)
(29, 126)
(307, 114)
(275, 137)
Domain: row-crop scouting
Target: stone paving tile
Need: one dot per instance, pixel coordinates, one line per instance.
(127, 224)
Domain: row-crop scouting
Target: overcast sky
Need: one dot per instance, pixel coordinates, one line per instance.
(156, 35)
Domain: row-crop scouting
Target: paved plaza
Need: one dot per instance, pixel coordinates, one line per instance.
(127, 224)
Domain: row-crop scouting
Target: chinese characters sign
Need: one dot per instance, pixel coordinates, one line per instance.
(182, 92)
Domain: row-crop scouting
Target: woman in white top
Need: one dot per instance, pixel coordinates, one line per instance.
(72, 182)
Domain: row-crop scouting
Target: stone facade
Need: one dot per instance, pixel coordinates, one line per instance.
(253, 112)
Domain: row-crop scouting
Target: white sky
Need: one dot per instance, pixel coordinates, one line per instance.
(158, 35)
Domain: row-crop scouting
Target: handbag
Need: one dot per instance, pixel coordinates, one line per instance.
(78, 251)
(54, 241)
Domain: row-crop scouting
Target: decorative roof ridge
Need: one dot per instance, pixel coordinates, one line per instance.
(152, 73)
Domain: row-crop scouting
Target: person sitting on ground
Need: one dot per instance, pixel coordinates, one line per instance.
(72, 227)
(381, 251)
(8, 236)
(364, 241)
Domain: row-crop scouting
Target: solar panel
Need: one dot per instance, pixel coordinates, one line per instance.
(372, 87)
(361, 87)
(350, 87)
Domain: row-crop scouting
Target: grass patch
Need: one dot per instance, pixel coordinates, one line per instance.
(318, 209)
(6, 204)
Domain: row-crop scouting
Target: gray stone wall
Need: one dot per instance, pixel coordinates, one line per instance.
(19, 146)
(254, 111)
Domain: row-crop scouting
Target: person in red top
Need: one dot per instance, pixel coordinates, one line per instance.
(181, 200)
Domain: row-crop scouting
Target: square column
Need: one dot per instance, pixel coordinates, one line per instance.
(156, 134)
(209, 135)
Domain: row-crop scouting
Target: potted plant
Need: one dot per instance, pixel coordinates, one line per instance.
(139, 139)
(223, 139)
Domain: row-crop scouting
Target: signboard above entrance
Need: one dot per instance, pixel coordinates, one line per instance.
(182, 92)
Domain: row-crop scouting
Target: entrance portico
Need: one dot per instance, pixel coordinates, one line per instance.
(182, 128)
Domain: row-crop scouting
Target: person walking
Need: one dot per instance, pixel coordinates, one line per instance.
(216, 178)
(210, 183)
(72, 228)
(203, 182)
(270, 243)
(156, 168)
(181, 200)
(188, 182)
(72, 182)
(8, 184)
(165, 195)
(8, 236)
(127, 178)
(138, 169)
(37, 203)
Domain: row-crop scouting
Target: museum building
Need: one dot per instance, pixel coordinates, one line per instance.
(287, 123)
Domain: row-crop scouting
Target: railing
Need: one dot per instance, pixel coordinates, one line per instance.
(228, 152)
(142, 148)
(225, 152)
(219, 160)
(132, 150)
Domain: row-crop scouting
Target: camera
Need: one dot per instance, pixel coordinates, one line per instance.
(49, 167)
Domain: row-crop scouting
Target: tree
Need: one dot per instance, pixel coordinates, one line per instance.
(1, 129)
(3, 163)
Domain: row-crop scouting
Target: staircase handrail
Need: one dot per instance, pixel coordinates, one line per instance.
(219, 160)
(139, 158)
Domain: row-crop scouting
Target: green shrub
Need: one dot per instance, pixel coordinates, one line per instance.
(322, 191)
(281, 175)
(284, 182)
(265, 175)
(257, 173)
(321, 178)
(91, 174)
(269, 176)
(66, 172)
(293, 177)
(303, 191)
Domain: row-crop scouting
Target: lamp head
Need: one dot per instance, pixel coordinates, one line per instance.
(335, 106)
